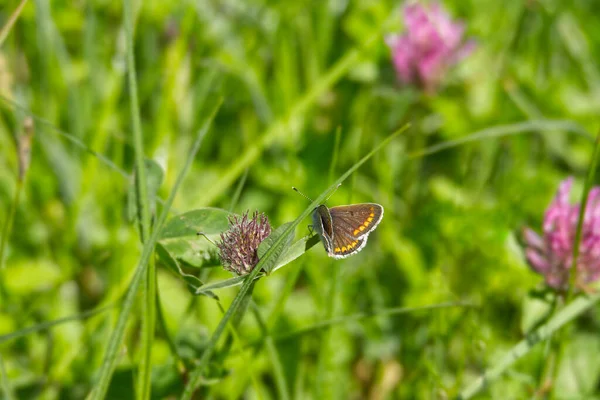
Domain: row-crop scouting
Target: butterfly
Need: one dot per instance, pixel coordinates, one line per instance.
(344, 230)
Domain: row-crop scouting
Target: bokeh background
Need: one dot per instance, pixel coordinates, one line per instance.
(308, 88)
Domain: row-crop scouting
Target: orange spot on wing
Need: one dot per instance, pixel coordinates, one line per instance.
(361, 228)
(356, 232)
(344, 248)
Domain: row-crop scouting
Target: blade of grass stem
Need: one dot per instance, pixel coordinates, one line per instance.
(336, 151)
(363, 315)
(196, 375)
(42, 326)
(108, 364)
(564, 316)
(323, 380)
(6, 230)
(278, 372)
(504, 130)
(6, 389)
(141, 184)
(234, 333)
(238, 191)
(11, 21)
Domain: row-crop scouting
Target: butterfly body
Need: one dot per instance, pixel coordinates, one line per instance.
(344, 230)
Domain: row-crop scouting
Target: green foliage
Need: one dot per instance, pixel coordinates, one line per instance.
(107, 288)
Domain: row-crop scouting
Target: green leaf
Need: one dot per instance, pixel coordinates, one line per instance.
(166, 259)
(195, 251)
(579, 368)
(181, 240)
(268, 243)
(207, 220)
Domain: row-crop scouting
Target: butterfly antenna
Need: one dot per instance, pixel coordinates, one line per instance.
(206, 237)
(302, 194)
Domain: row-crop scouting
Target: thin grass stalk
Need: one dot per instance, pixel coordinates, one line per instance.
(278, 372)
(234, 333)
(24, 142)
(273, 317)
(503, 131)
(323, 373)
(108, 364)
(238, 191)
(149, 310)
(6, 231)
(43, 326)
(11, 21)
(567, 314)
(336, 152)
(6, 389)
(196, 376)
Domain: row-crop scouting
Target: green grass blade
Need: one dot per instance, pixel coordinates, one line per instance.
(110, 357)
(278, 372)
(505, 130)
(11, 21)
(143, 205)
(564, 316)
(6, 389)
(50, 324)
(358, 317)
(196, 375)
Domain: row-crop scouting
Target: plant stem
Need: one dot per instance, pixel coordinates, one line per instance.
(149, 314)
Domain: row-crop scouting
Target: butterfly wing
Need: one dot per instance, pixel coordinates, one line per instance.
(344, 246)
(323, 225)
(356, 220)
(351, 226)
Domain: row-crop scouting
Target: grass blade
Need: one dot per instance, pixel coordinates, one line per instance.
(564, 316)
(110, 357)
(6, 389)
(196, 375)
(505, 130)
(50, 324)
(278, 372)
(141, 184)
(11, 21)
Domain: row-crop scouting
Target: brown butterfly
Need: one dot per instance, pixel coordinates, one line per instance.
(344, 230)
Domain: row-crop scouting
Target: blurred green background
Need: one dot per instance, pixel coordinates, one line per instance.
(292, 74)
